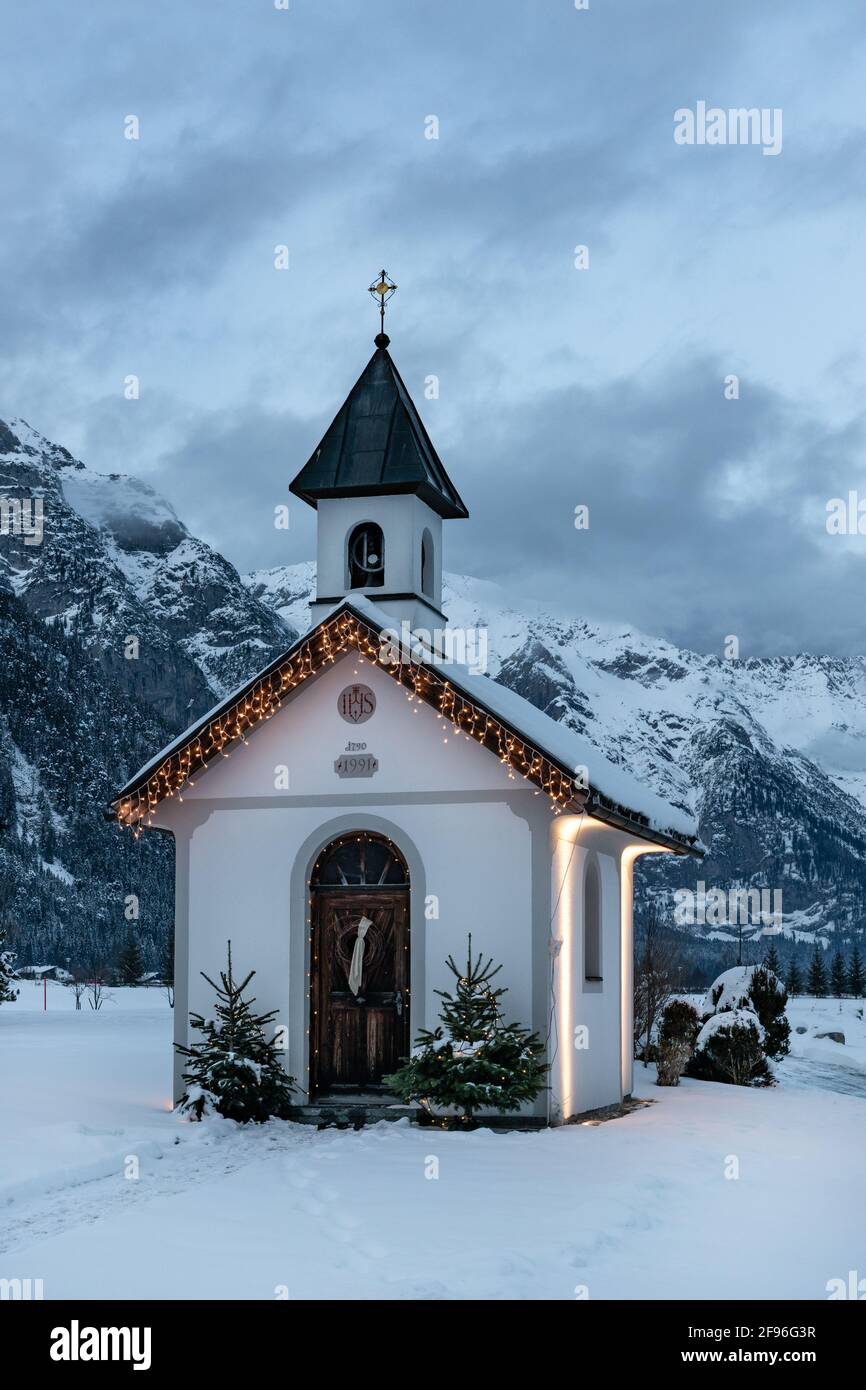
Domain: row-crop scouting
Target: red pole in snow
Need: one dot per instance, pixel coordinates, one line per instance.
(44, 993)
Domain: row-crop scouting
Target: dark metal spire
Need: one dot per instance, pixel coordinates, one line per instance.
(377, 444)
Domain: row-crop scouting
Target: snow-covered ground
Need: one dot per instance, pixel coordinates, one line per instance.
(637, 1208)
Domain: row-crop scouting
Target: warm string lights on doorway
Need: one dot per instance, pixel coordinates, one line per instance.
(460, 715)
(315, 887)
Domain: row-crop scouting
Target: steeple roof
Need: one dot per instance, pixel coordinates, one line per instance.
(377, 444)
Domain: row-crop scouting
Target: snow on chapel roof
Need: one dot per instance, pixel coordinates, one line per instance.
(534, 745)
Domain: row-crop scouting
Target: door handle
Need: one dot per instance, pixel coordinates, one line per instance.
(398, 1002)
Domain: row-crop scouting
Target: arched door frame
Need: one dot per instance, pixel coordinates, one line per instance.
(301, 912)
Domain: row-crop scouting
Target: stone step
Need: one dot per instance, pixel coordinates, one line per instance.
(357, 1111)
(345, 1113)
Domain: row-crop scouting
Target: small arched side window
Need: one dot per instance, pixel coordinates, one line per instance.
(427, 565)
(592, 921)
(366, 556)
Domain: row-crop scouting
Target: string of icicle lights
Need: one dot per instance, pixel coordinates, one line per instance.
(265, 696)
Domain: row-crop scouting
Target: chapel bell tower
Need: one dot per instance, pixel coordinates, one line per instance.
(381, 494)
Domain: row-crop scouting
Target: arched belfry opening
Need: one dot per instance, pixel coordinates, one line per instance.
(365, 556)
(359, 964)
(427, 564)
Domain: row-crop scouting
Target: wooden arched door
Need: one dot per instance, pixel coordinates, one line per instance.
(359, 1019)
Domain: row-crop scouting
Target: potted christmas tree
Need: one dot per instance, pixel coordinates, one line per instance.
(473, 1060)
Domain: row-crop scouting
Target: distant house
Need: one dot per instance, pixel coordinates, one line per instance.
(368, 784)
(43, 972)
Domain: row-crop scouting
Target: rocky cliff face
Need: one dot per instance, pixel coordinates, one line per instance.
(117, 628)
(68, 736)
(165, 616)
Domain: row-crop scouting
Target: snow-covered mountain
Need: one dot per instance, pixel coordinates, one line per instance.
(116, 564)
(770, 754)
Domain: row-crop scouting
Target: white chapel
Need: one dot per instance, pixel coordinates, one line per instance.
(367, 782)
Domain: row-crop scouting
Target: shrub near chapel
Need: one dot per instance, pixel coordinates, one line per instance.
(730, 1048)
(679, 1027)
(744, 1024)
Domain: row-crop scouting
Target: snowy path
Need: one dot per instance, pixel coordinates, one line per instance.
(202, 1155)
(806, 1072)
(820, 1063)
(642, 1207)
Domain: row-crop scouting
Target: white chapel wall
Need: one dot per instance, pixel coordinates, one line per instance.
(593, 1057)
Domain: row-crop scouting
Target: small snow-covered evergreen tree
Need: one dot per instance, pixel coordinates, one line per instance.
(816, 980)
(235, 1069)
(7, 990)
(472, 1059)
(771, 960)
(856, 976)
(130, 962)
(838, 976)
(769, 999)
(795, 979)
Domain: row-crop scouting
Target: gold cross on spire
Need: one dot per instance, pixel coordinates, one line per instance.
(382, 289)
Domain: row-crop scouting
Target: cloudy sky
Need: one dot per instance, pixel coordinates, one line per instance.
(306, 127)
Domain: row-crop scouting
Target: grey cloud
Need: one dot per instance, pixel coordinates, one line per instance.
(556, 129)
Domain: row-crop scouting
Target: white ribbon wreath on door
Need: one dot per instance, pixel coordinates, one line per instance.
(356, 969)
